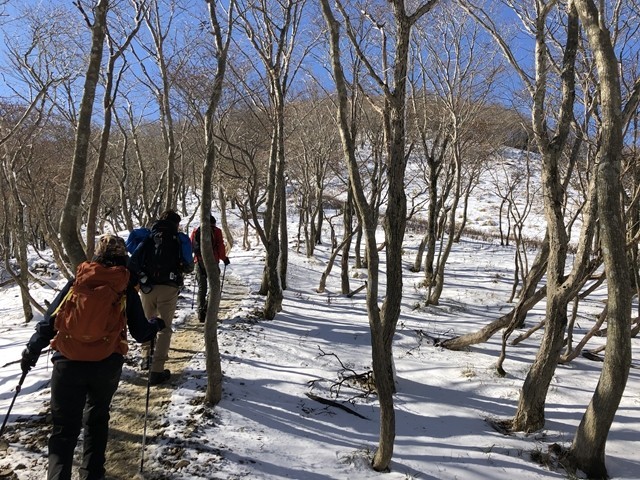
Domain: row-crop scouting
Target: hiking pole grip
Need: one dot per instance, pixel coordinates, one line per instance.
(18, 388)
(146, 408)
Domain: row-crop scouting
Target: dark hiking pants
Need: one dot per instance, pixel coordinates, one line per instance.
(81, 393)
(203, 287)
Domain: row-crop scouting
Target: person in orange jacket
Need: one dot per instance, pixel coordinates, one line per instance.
(219, 253)
(85, 376)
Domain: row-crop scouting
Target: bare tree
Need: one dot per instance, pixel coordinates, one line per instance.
(243, 140)
(145, 183)
(160, 19)
(221, 37)
(71, 212)
(432, 145)
(587, 453)
(35, 68)
(551, 143)
(392, 82)
(124, 145)
(112, 81)
(272, 29)
(461, 72)
(316, 140)
(15, 157)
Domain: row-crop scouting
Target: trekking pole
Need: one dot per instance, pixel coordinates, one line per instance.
(223, 272)
(194, 285)
(18, 388)
(146, 408)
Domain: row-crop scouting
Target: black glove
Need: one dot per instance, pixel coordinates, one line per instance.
(29, 360)
(145, 285)
(227, 261)
(158, 322)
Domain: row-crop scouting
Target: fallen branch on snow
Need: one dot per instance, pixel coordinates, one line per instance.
(333, 403)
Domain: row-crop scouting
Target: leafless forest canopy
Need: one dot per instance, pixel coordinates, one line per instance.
(389, 112)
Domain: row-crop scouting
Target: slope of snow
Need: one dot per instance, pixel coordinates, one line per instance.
(266, 427)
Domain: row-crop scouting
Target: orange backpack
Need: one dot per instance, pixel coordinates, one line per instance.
(90, 321)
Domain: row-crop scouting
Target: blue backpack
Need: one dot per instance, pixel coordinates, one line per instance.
(135, 238)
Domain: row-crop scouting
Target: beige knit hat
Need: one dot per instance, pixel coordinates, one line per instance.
(110, 245)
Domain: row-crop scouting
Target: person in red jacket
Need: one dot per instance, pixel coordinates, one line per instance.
(219, 253)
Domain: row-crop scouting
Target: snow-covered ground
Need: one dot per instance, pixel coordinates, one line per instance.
(266, 427)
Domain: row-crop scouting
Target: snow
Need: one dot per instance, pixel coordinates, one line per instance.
(266, 427)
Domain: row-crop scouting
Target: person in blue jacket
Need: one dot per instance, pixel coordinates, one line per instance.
(81, 390)
(160, 262)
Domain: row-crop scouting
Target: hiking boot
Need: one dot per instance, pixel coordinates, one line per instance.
(156, 378)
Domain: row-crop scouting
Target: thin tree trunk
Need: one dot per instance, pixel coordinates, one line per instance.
(271, 281)
(73, 202)
(283, 261)
(14, 236)
(110, 91)
(382, 321)
(432, 223)
(332, 259)
(98, 172)
(437, 282)
(224, 224)
(346, 249)
(213, 394)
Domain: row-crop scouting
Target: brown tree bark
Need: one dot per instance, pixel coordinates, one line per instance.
(224, 224)
(530, 413)
(274, 45)
(485, 333)
(110, 91)
(71, 213)
(382, 320)
(348, 212)
(13, 241)
(154, 19)
(221, 40)
(587, 453)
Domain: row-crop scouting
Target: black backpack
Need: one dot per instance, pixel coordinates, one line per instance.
(162, 254)
(197, 250)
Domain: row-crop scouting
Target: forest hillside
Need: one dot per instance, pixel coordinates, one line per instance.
(297, 394)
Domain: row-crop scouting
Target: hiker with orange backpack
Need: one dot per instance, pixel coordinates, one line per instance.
(86, 325)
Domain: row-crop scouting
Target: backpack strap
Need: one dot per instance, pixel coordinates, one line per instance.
(196, 244)
(64, 299)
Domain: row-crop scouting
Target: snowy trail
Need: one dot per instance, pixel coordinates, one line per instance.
(128, 406)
